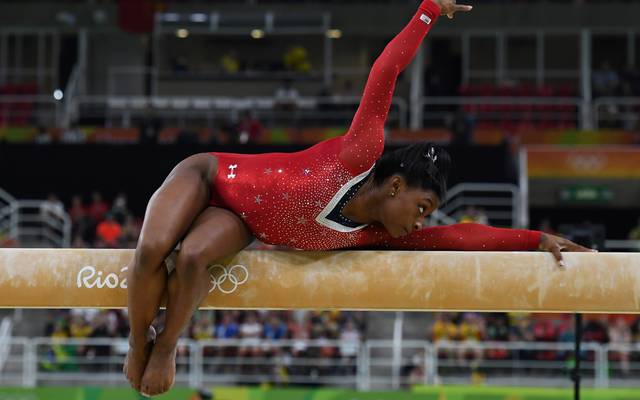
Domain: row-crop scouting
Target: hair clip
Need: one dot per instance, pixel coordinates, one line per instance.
(431, 154)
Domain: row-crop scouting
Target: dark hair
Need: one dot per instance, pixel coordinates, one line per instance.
(423, 165)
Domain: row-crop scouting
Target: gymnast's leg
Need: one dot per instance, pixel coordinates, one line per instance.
(170, 212)
(215, 235)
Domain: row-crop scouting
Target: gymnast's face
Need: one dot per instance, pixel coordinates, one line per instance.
(405, 207)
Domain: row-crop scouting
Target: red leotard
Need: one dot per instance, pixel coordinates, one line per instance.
(296, 199)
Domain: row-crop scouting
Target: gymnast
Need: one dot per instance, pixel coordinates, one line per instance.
(340, 193)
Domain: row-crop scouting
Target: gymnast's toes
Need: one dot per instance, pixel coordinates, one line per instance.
(160, 372)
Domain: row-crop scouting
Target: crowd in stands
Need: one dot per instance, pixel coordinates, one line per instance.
(336, 339)
(469, 329)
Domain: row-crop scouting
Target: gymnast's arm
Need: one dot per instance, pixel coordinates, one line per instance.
(364, 141)
(466, 237)
(475, 237)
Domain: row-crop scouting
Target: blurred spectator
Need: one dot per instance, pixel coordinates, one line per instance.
(227, 328)
(349, 345)
(98, 208)
(296, 59)
(461, 127)
(250, 332)
(474, 215)
(286, 104)
(443, 330)
(274, 328)
(119, 209)
(203, 328)
(250, 129)
(230, 63)
(471, 332)
(51, 207)
(595, 329)
(81, 222)
(108, 232)
(606, 80)
(130, 232)
(620, 334)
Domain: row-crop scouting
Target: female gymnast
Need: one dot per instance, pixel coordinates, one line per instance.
(340, 193)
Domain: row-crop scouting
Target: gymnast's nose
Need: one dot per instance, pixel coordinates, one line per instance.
(417, 225)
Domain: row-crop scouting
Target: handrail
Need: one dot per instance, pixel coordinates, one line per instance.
(5, 334)
(599, 103)
(371, 366)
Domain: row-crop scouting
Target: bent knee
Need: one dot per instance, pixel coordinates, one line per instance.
(150, 255)
(191, 259)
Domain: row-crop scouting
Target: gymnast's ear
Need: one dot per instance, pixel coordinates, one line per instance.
(396, 183)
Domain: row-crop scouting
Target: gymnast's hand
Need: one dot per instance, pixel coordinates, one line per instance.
(556, 245)
(449, 7)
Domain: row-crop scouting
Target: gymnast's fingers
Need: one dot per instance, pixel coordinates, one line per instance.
(557, 254)
(571, 246)
(462, 8)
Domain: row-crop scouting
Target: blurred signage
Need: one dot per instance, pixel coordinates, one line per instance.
(586, 194)
(547, 162)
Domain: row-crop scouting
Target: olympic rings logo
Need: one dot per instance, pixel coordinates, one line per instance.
(235, 276)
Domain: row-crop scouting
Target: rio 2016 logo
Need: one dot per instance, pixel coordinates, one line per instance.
(226, 280)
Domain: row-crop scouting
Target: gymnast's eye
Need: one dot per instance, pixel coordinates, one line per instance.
(421, 209)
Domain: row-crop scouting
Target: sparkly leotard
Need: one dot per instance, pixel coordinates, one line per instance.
(296, 199)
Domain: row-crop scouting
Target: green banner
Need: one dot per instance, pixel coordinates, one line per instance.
(253, 393)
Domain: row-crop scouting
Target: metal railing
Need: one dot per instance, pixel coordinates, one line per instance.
(500, 203)
(5, 334)
(40, 224)
(363, 365)
(125, 111)
(8, 218)
(617, 112)
(33, 223)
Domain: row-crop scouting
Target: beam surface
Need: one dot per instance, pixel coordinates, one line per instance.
(350, 280)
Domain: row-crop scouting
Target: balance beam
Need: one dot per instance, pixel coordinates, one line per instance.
(348, 280)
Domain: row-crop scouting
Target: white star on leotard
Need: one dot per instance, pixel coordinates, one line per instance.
(285, 196)
(302, 220)
(258, 199)
(267, 171)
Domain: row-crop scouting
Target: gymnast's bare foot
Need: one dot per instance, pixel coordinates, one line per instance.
(137, 358)
(161, 370)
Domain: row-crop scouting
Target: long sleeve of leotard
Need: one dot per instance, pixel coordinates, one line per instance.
(463, 237)
(363, 143)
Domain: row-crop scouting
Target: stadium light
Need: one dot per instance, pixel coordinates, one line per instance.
(334, 33)
(182, 33)
(58, 94)
(257, 33)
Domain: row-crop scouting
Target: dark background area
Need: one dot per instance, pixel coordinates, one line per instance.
(32, 171)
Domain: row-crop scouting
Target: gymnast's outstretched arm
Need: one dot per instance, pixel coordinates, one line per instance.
(476, 237)
(363, 143)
